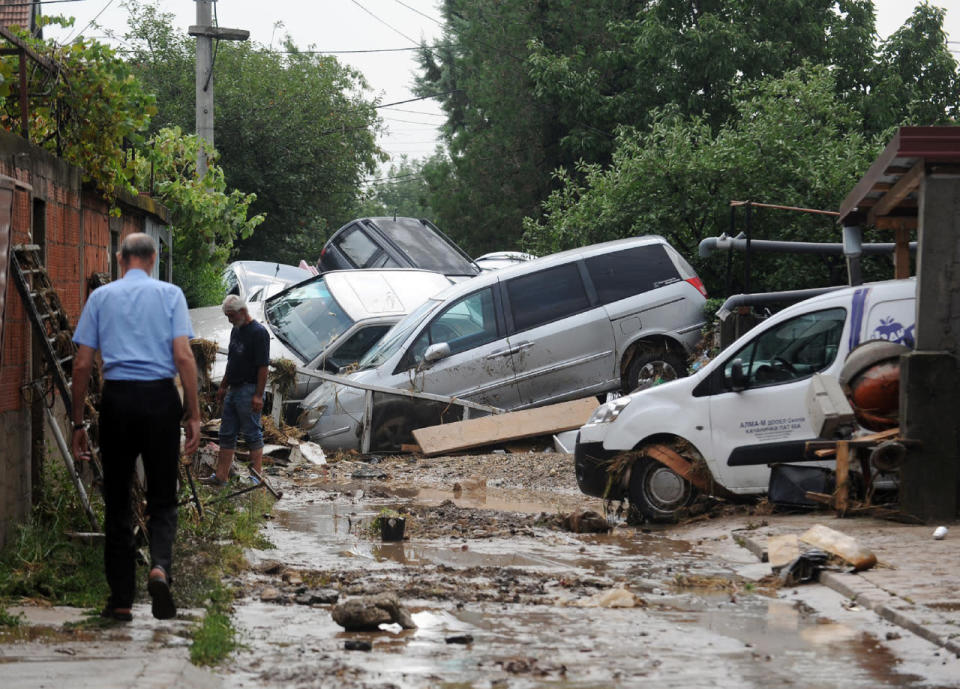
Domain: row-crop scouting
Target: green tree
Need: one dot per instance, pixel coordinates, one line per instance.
(205, 218)
(534, 87)
(791, 142)
(400, 190)
(915, 78)
(293, 127)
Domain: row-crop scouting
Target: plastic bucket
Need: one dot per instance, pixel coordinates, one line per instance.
(391, 528)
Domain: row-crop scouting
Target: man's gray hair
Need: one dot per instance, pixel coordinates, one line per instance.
(138, 244)
(233, 304)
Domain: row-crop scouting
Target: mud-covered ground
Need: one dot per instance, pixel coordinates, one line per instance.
(504, 595)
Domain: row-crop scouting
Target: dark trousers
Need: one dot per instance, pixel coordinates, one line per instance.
(138, 418)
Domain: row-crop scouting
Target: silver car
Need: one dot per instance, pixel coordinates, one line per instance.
(614, 316)
(326, 322)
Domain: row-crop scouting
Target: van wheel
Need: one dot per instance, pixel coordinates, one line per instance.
(650, 368)
(657, 492)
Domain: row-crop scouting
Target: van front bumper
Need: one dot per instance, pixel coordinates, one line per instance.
(590, 463)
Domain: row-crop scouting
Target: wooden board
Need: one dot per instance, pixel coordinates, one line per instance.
(489, 430)
(840, 544)
(782, 550)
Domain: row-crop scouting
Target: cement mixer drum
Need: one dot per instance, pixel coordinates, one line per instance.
(870, 377)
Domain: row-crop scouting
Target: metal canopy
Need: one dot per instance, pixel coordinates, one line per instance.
(886, 196)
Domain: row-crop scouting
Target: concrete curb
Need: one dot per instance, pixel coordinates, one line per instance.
(870, 596)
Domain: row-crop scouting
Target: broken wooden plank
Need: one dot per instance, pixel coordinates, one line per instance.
(782, 550)
(489, 430)
(841, 545)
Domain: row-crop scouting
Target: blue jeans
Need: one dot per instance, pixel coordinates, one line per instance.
(238, 415)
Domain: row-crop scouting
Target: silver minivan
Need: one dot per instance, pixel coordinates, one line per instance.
(327, 322)
(612, 316)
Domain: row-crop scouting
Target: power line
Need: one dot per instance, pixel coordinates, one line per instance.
(89, 23)
(392, 28)
(418, 112)
(425, 124)
(411, 100)
(414, 9)
(38, 2)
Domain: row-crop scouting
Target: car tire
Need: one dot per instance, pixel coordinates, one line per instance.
(392, 427)
(657, 492)
(651, 367)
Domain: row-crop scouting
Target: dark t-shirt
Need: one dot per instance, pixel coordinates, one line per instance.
(249, 350)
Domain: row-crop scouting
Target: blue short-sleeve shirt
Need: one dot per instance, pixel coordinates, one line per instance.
(133, 323)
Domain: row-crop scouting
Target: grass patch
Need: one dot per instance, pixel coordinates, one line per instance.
(209, 550)
(41, 562)
(214, 638)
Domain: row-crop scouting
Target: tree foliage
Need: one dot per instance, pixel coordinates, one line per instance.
(791, 142)
(206, 218)
(293, 127)
(401, 190)
(543, 98)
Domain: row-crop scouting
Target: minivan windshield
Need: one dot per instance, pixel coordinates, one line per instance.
(397, 335)
(307, 318)
(427, 249)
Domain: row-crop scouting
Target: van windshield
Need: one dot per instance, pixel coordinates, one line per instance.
(427, 249)
(397, 335)
(307, 319)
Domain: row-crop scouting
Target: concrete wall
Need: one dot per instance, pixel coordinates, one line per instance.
(76, 227)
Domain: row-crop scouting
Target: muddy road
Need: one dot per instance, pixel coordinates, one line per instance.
(504, 596)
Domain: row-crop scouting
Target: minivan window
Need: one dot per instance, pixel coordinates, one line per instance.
(547, 295)
(621, 274)
(794, 349)
(307, 318)
(426, 248)
(398, 334)
(357, 247)
(465, 324)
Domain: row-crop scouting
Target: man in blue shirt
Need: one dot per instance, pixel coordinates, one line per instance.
(142, 329)
(241, 390)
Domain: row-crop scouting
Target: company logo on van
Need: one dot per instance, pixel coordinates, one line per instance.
(893, 331)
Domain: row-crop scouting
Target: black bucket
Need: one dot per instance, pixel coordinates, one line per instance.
(391, 528)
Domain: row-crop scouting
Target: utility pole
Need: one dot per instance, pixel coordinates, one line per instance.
(205, 33)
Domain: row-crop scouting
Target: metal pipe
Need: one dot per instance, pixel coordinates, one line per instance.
(739, 243)
(769, 298)
(71, 467)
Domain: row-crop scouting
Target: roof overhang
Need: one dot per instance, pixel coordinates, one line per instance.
(886, 197)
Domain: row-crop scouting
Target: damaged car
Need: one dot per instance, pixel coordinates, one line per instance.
(247, 279)
(395, 243)
(327, 322)
(608, 317)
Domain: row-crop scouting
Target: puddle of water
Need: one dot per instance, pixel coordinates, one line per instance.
(754, 643)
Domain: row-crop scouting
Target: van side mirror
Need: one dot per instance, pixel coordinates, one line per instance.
(738, 380)
(435, 352)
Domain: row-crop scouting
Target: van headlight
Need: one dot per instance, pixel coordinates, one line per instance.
(609, 411)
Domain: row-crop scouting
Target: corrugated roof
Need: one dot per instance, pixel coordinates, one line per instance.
(886, 196)
(15, 13)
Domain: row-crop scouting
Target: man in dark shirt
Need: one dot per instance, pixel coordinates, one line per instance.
(241, 390)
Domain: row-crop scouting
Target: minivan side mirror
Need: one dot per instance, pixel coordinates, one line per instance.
(738, 380)
(435, 352)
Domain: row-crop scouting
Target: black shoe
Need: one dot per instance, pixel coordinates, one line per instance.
(163, 607)
(119, 614)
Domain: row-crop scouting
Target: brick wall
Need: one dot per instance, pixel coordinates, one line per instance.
(76, 228)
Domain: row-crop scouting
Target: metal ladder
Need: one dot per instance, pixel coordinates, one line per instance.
(52, 326)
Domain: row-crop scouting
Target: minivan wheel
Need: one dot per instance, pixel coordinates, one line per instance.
(649, 368)
(657, 492)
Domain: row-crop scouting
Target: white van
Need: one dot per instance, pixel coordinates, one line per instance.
(743, 411)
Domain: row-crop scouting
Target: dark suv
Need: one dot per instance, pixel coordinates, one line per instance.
(395, 243)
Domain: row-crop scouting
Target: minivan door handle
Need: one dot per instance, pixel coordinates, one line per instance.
(499, 353)
(520, 347)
